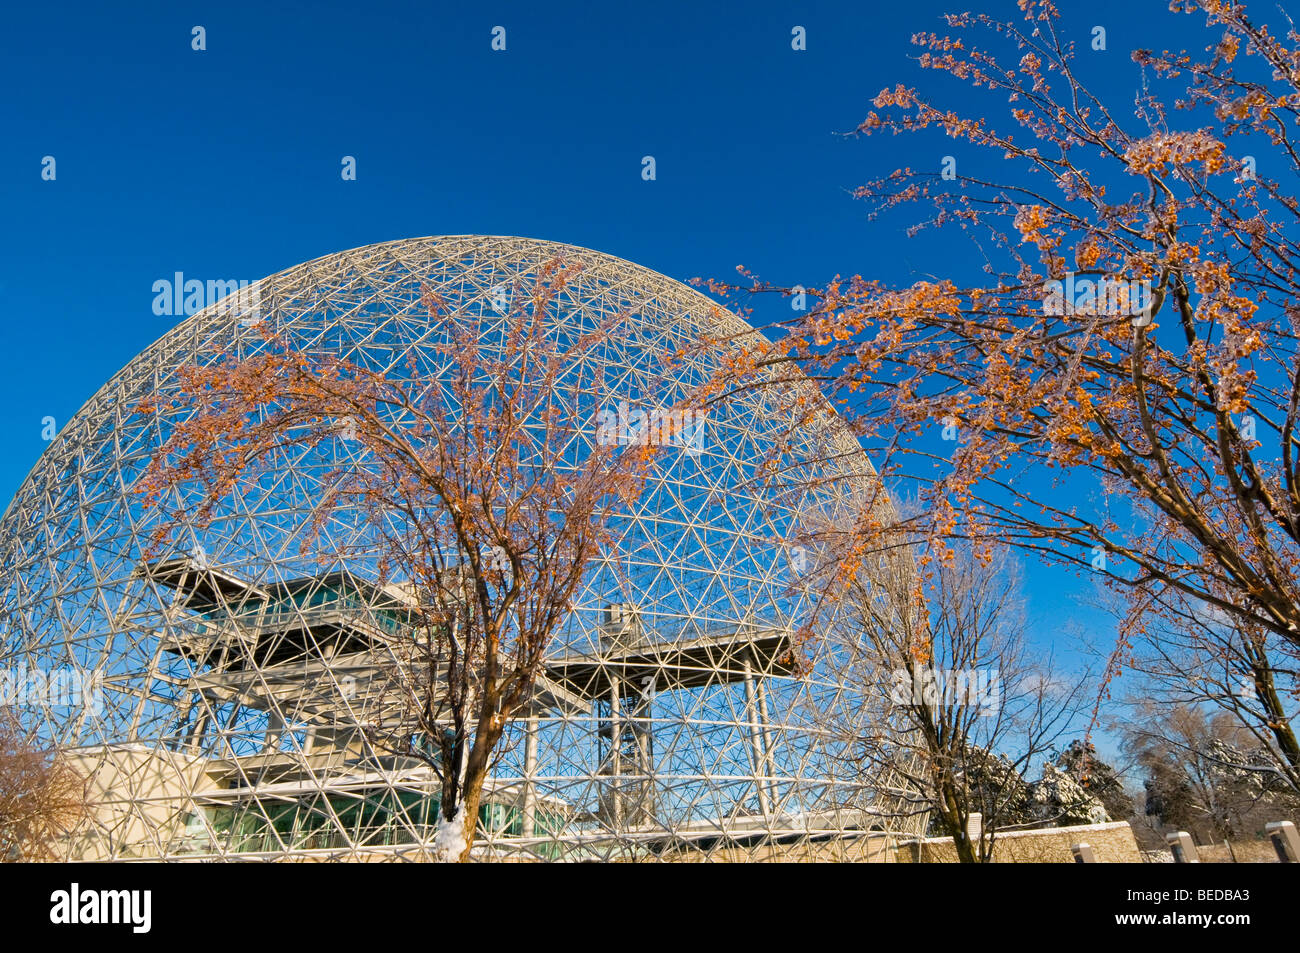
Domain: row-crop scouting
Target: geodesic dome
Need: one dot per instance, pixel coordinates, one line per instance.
(216, 696)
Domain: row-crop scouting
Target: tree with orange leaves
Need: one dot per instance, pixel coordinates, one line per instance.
(1120, 393)
(482, 489)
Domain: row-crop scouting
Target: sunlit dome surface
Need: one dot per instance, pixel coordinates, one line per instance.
(674, 724)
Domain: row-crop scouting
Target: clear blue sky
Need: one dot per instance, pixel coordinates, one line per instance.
(225, 164)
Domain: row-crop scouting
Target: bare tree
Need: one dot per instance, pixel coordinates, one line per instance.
(962, 707)
(41, 798)
(1204, 772)
(1194, 656)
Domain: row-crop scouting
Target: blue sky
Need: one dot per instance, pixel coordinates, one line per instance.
(225, 164)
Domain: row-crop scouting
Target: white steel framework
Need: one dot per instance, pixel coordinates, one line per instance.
(236, 677)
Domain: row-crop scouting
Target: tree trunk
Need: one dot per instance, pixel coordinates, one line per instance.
(1278, 723)
(476, 772)
(951, 816)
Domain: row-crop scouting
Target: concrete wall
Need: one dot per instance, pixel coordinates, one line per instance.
(1241, 852)
(139, 798)
(874, 848)
(1113, 843)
